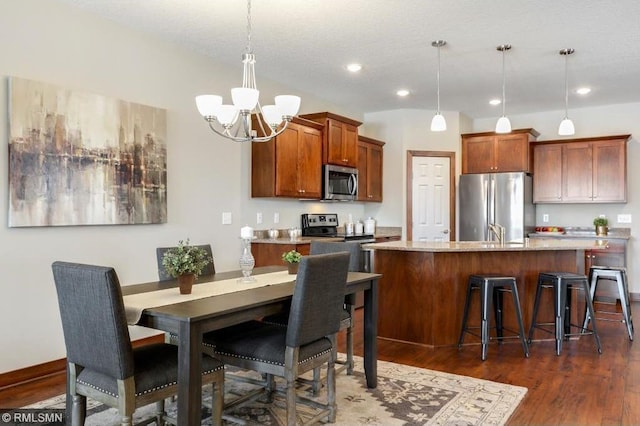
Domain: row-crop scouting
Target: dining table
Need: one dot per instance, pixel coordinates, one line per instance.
(191, 318)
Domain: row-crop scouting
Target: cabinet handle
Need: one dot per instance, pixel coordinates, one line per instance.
(370, 196)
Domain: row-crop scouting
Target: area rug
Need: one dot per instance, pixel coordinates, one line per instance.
(405, 396)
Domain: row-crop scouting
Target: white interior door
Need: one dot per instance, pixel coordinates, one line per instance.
(431, 189)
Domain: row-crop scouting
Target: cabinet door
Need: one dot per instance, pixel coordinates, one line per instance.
(511, 153)
(478, 154)
(577, 165)
(309, 165)
(609, 172)
(334, 142)
(363, 171)
(286, 179)
(547, 174)
(350, 145)
(374, 174)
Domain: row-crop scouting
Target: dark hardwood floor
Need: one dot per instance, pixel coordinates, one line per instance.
(579, 387)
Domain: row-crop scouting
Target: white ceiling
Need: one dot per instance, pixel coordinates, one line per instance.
(305, 44)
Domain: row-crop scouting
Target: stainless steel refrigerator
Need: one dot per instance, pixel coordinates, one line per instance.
(502, 198)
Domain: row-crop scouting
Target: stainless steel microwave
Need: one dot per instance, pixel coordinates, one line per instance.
(339, 183)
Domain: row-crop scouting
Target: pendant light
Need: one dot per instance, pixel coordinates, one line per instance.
(438, 123)
(503, 125)
(566, 127)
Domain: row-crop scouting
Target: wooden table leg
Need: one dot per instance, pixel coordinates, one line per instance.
(189, 377)
(371, 334)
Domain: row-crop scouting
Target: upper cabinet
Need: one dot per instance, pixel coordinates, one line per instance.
(340, 141)
(587, 170)
(289, 165)
(491, 152)
(369, 169)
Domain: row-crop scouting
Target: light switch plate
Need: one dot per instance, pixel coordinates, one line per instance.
(624, 218)
(259, 218)
(276, 218)
(226, 218)
(545, 218)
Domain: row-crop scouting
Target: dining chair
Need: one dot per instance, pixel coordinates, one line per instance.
(209, 269)
(101, 362)
(346, 315)
(306, 342)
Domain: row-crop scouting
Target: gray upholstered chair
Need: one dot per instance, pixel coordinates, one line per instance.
(102, 364)
(210, 269)
(307, 342)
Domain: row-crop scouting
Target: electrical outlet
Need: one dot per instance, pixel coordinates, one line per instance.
(545, 218)
(226, 218)
(259, 218)
(624, 218)
(276, 218)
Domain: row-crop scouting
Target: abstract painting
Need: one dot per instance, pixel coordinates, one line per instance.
(77, 158)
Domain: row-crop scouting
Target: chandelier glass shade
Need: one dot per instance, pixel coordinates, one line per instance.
(438, 123)
(566, 127)
(233, 121)
(504, 124)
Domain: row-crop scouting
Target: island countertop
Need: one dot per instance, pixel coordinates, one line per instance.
(466, 246)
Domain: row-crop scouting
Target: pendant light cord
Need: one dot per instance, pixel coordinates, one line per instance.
(566, 85)
(504, 98)
(248, 26)
(438, 78)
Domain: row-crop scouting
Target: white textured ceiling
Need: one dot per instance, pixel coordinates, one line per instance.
(306, 43)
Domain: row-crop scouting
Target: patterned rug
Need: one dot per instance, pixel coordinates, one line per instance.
(404, 396)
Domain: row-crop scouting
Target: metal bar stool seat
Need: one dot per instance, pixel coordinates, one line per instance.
(561, 282)
(619, 275)
(492, 289)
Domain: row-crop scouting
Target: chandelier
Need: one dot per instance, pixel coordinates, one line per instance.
(234, 121)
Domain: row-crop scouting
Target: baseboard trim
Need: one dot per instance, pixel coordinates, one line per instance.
(58, 366)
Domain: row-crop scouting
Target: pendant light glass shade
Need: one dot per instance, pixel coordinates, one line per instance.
(566, 127)
(503, 125)
(438, 123)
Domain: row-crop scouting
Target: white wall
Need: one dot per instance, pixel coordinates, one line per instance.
(54, 43)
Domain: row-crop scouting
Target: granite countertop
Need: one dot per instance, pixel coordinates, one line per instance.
(474, 246)
(585, 233)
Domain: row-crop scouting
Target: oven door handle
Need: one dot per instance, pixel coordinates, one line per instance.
(353, 184)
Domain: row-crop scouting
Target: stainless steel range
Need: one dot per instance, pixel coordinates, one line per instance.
(326, 225)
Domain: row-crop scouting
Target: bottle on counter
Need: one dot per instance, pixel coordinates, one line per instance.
(348, 227)
(359, 227)
(370, 225)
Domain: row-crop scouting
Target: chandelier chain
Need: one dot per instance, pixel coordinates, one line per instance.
(248, 26)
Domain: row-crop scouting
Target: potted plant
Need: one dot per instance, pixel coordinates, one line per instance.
(292, 259)
(185, 262)
(601, 224)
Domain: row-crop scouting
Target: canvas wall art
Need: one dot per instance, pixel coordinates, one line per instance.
(77, 158)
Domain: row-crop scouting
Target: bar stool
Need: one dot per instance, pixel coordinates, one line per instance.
(561, 282)
(619, 275)
(492, 289)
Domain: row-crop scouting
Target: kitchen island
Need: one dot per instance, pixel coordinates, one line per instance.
(423, 286)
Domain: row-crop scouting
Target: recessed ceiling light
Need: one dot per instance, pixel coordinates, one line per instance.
(583, 90)
(495, 102)
(354, 67)
(402, 92)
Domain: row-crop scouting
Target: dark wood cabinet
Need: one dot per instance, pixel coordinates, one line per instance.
(267, 254)
(492, 152)
(340, 141)
(369, 169)
(587, 170)
(289, 165)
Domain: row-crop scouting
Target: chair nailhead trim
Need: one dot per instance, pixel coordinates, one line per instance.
(146, 391)
(271, 362)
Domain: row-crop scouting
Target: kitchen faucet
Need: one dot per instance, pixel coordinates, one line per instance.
(498, 231)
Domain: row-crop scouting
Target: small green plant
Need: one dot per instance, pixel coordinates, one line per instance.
(185, 259)
(291, 256)
(600, 221)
